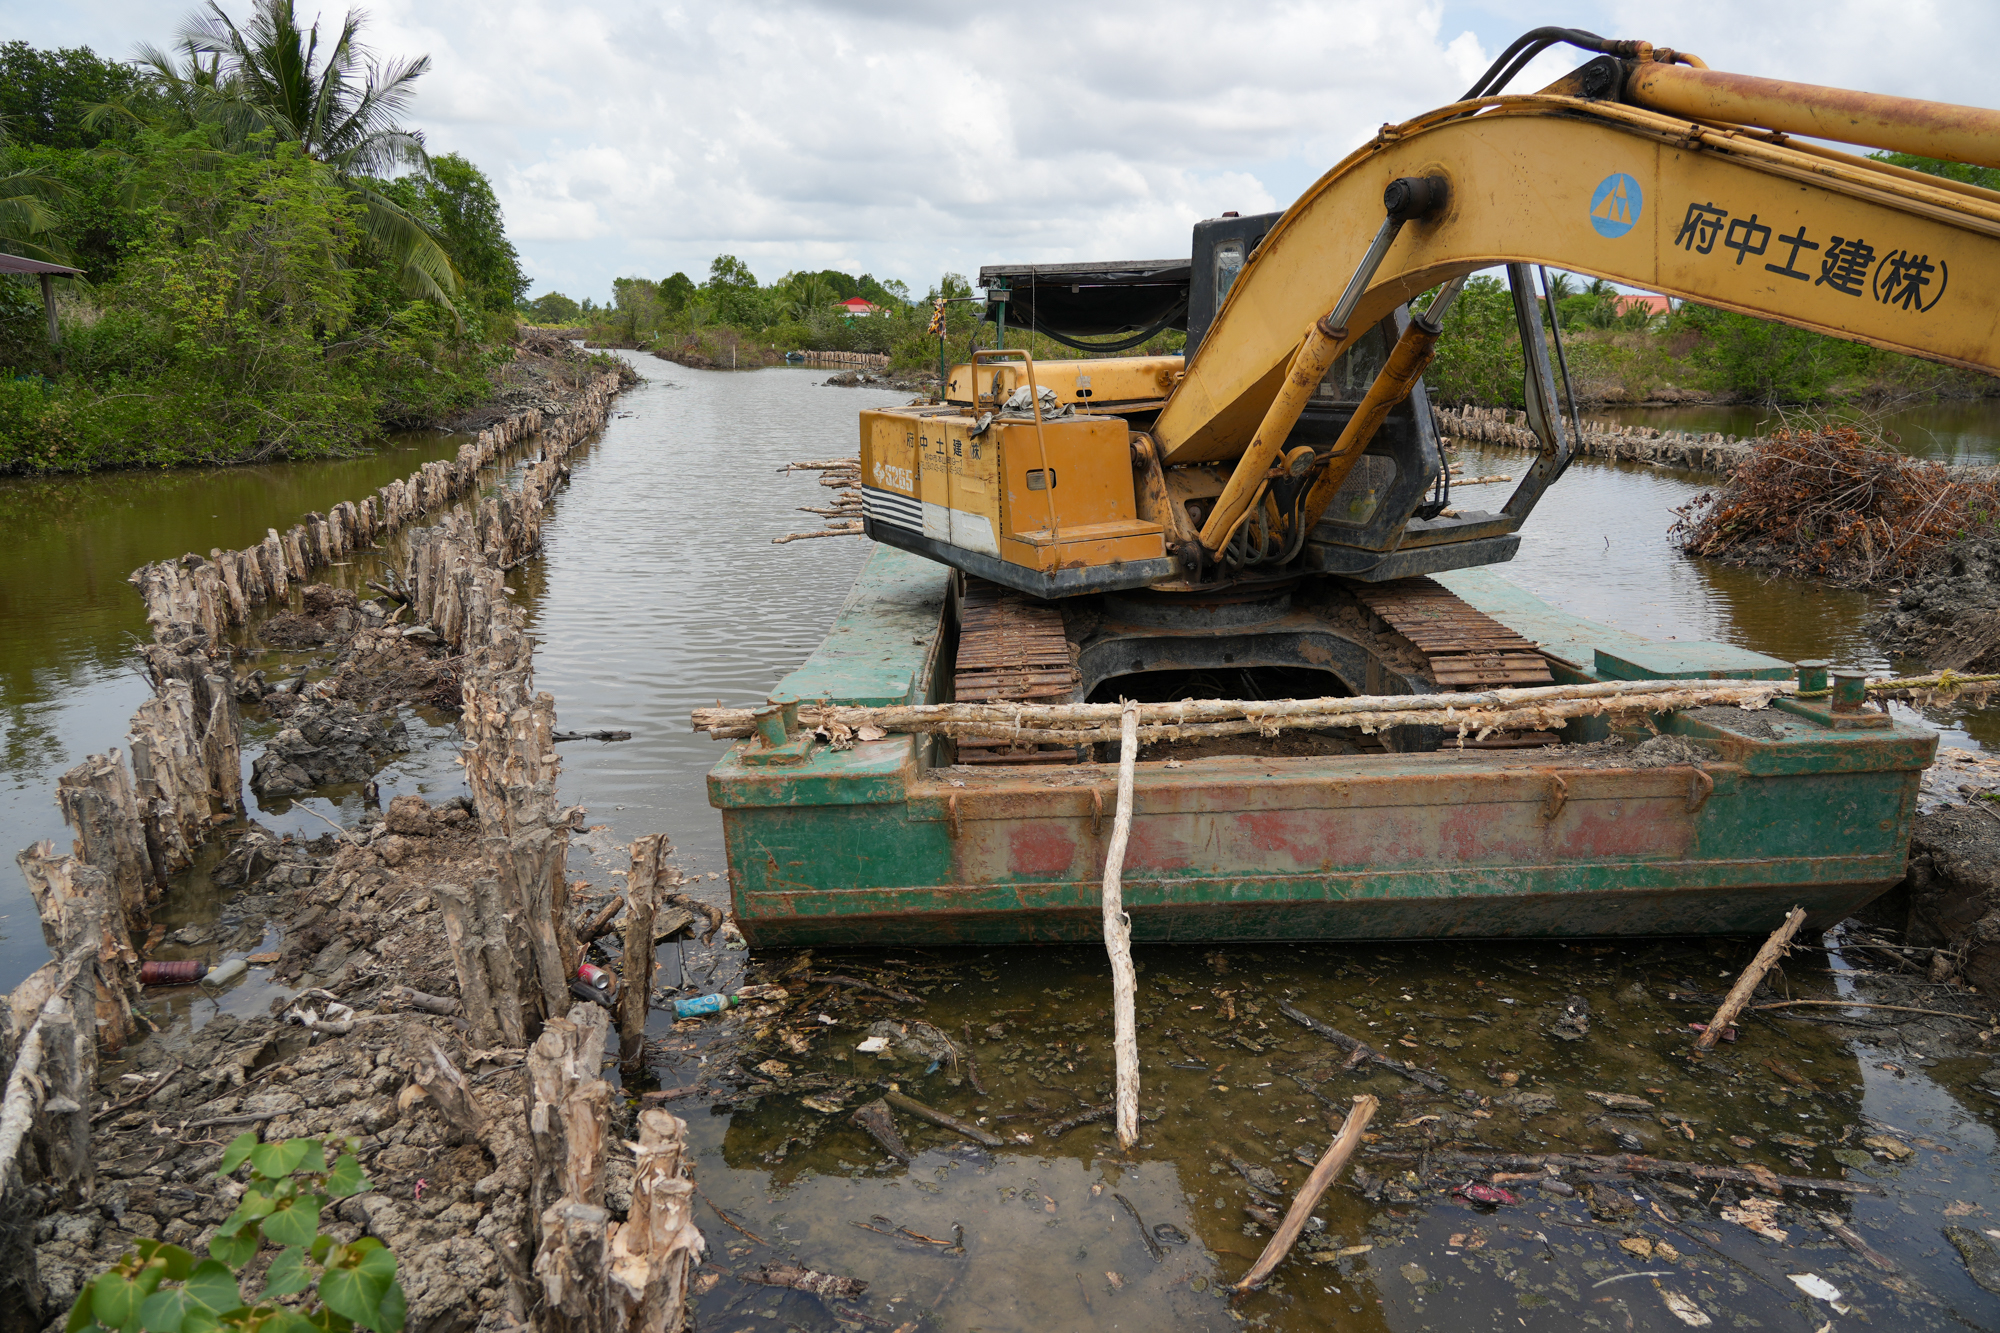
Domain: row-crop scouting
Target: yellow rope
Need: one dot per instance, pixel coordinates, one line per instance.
(1942, 681)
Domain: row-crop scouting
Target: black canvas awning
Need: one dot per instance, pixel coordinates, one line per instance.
(1091, 300)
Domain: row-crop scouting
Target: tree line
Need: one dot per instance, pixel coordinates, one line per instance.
(273, 263)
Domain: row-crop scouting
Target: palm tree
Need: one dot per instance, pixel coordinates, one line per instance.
(341, 106)
(26, 198)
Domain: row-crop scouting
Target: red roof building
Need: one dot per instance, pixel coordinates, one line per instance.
(1647, 301)
(855, 305)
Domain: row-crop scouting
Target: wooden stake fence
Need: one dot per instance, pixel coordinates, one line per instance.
(137, 825)
(1699, 451)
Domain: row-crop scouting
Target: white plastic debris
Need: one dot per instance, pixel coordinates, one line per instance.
(1815, 1286)
(873, 1046)
(1685, 1310)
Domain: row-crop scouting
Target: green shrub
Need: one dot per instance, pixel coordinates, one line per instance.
(161, 1288)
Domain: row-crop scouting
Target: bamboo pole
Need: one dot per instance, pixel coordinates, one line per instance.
(1118, 937)
(1753, 976)
(1337, 1153)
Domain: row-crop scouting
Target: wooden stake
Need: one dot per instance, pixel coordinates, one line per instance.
(1343, 1147)
(1118, 937)
(653, 1254)
(635, 992)
(1753, 976)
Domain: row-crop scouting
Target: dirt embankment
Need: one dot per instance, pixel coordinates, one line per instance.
(1950, 618)
(545, 373)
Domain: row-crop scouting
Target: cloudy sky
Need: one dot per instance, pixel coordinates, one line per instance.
(906, 138)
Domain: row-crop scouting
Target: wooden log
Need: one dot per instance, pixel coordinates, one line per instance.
(442, 1005)
(1634, 1165)
(941, 1119)
(601, 923)
(44, 1113)
(642, 895)
(222, 743)
(1118, 938)
(484, 956)
(880, 1125)
(529, 869)
(653, 1254)
(1361, 1050)
(571, 1265)
(82, 918)
(1486, 709)
(101, 809)
(828, 1286)
(170, 783)
(568, 1106)
(1336, 1157)
(1766, 958)
(448, 1090)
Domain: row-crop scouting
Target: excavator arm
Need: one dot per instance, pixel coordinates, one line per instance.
(1626, 170)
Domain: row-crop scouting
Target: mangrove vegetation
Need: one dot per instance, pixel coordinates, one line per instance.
(272, 263)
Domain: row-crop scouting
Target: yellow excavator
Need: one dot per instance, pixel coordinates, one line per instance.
(1294, 438)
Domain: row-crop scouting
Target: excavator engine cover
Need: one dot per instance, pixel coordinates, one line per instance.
(1045, 507)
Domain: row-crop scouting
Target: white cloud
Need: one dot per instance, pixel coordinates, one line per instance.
(905, 138)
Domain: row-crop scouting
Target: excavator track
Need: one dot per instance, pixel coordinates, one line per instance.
(1011, 649)
(1466, 648)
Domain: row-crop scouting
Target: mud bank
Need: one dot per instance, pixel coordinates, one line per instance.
(1950, 619)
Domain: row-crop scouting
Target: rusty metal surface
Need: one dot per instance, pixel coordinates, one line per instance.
(1467, 649)
(1011, 649)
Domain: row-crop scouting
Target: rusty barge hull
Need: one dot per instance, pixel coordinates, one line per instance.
(879, 845)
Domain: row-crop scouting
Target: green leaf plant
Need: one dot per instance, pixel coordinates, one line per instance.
(324, 1287)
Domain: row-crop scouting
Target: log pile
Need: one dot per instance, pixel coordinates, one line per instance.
(843, 516)
(137, 824)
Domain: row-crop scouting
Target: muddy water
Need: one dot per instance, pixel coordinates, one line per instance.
(660, 590)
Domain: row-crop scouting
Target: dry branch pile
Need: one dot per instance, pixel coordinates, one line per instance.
(1834, 505)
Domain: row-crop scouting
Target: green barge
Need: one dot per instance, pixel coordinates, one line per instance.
(1721, 828)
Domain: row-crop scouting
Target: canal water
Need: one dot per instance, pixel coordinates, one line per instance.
(660, 591)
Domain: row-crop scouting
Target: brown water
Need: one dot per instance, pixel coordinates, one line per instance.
(659, 590)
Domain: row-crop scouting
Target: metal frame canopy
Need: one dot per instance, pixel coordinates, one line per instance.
(47, 272)
(1089, 299)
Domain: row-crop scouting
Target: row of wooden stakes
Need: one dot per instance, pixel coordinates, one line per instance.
(137, 824)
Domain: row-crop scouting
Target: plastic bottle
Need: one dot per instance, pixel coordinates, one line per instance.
(171, 972)
(226, 973)
(695, 1006)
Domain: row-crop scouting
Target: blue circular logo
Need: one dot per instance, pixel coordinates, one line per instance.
(1615, 208)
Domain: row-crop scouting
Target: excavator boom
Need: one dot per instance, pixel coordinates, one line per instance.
(1627, 169)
